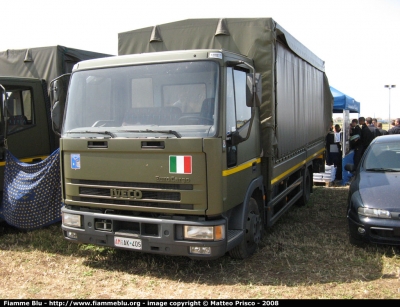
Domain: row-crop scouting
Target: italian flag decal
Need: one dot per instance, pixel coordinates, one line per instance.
(180, 164)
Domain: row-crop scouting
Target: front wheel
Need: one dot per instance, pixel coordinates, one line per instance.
(252, 233)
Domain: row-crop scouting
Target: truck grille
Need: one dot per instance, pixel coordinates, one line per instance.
(145, 194)
(106, 192)
(133, 203)
(161, 186)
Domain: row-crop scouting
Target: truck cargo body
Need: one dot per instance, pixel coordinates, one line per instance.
(178, 149)
(25, 74)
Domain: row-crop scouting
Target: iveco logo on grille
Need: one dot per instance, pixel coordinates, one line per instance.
(132, 194)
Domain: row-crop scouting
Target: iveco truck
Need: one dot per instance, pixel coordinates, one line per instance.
(192, 141)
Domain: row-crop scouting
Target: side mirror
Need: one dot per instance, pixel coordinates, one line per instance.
(253, 90)
(56, 117)
(249, 90)
(58, 95)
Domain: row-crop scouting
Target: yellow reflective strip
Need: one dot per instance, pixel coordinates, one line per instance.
(26, 160)
(240, 167)
(275, 180)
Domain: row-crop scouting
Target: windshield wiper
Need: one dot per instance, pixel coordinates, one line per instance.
(381, 169)
(177, 134)
(99, 132)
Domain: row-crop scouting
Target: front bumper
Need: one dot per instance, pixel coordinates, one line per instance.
(377, 231)
(156, 235)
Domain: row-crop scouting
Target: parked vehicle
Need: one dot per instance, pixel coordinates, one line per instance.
(25, 75)
(198, 136)
(25, 123)
(373, 209)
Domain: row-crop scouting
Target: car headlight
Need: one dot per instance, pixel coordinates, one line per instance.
(208, 233)
(72, 220)
(371, 212)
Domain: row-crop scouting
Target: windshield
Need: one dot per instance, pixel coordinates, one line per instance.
(157, 100)
(383, 157)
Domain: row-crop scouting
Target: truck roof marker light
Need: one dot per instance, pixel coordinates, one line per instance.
(215, 55)
(222, 28)
(155, 35)
(28, 56)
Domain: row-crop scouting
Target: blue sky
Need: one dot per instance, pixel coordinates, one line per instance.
(359, 40)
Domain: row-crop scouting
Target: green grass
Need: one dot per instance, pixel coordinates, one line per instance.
(305, 255)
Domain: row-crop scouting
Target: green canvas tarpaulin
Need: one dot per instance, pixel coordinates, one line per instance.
(42, 62)
(294, 83)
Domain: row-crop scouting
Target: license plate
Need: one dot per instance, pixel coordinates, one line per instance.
(128, 243)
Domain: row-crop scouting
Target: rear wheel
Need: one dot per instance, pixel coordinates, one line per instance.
(252, 233)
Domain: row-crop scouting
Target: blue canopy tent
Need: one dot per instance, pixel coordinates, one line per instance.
(345, 104)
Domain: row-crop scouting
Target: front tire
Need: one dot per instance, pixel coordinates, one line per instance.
(252, 233)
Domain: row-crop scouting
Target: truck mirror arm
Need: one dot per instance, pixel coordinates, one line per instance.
(236, 138)
(253, 88)
(55, 118)
(57, 93)
(4, 98)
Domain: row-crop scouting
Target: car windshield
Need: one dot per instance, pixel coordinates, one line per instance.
(383, 157)
(156, 100)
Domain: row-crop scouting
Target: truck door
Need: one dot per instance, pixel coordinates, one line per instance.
(238, 117)
(241, 156)
(25, 122)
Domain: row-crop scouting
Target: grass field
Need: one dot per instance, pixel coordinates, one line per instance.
(305, 255)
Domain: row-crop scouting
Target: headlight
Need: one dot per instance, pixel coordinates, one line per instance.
(208, 233)
(371, 212)
(72, 220)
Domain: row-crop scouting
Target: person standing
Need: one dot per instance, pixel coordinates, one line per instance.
(337, 153)
(366, 137)
(329, 139)
(383, 131)
(396, 128)
(375, 131)
(355, 131)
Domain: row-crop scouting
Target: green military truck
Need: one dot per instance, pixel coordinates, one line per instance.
(25, 122)
(25, 74)
(200, 134)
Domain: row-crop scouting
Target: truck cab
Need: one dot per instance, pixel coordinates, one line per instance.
(178, 146)
(180, 138)
(25, 121)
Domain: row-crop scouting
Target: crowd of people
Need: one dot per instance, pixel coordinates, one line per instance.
(365, 131)
(362, 132)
